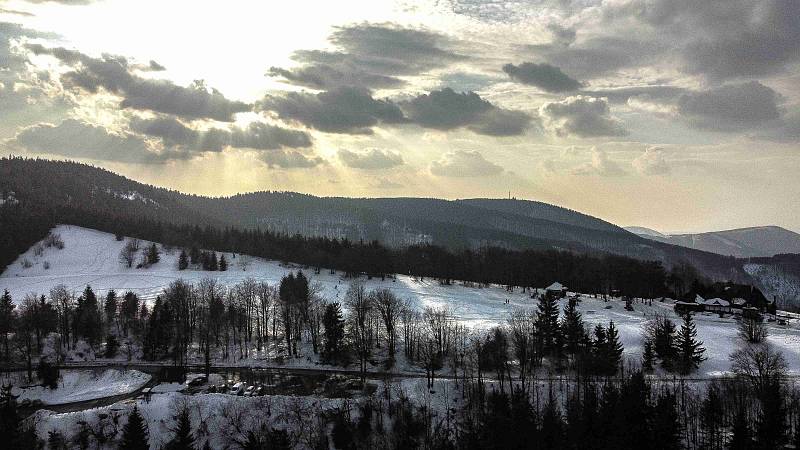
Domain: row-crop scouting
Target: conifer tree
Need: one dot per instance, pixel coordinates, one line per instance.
(648, 356)
(664, 342)
(612, 351)
(110, 308)
(572, 328)
(666, 423)
(134, 433)
(223, 263)
(153, 255)
(88, 321)
(712, 417)
(212, 262)
(183, 440)
(183, 261)
(741, 435)
(333, 335)
(690, 351)
(547, 324)
(7, 318)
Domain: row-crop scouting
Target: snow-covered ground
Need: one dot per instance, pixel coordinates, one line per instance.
(82, 385)
(91, 257)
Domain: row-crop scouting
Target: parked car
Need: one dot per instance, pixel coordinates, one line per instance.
(197, 381)
(249, 391)
(238, 388)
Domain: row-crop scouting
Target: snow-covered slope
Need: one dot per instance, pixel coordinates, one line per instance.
(91, 257)
(81, 385)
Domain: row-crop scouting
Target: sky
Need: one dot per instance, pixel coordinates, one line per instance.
(677, 115)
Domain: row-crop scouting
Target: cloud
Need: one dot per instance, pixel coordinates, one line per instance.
(371, 56)
(598, 56)
(464, 163)
(544, 76)
(371, 159)
(730, 107)
(651, 162)
(115, 75)
(24, 96)
(664, 93)
(290, 159)
(581, 116)
(383, 183)
(731, 39)
(787, 130)
(324, 76)
(599, 165)
(78, 139)
(341, 110)
(446, 110)
(257, 135)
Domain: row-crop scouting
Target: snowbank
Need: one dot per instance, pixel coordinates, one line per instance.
(83, 385)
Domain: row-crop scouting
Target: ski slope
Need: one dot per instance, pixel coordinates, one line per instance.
(91, 257)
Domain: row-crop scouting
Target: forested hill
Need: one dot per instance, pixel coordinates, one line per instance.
(36, 194)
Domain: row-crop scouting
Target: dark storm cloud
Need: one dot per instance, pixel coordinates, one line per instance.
(371, 159)
(446, 110)
(544, 76)
(341, 110)
(371, 56)
(581, 116)
(115, 75)
(257, 135)
(730, 107)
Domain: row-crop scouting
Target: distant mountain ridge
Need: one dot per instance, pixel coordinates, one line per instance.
(747, 242)
(65, 192)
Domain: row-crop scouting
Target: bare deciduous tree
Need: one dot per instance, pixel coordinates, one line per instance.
(759, 364)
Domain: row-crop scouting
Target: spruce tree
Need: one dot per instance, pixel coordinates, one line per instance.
(212, 262)
(134, 433)
(183, 439)
(664, 342)
(333, 335)
(110, 308)
(712, 416)
(223, 263)
(7, 319)
(612, 351)
(648, 356)
(547, 324)
(572, 327)
(666, 423)
(183, 261)
(690, 351)
(741, 435)
(153, 255)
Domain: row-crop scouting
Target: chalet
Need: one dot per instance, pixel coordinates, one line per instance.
(687, 307)
(717, 305)
(556, 290)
